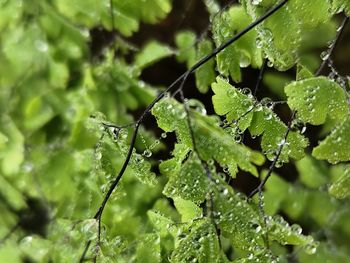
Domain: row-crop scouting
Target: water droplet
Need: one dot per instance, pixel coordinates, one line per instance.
(164, 135)
(147, 153)
(231, 93)
(98, 155)
(270, 64)
(296, 229)
(311, 248)
(324, 55)
(238, 138)
(244, 60)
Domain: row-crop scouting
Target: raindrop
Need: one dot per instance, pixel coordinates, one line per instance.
(303, 130)
(324, 55)
(311, 248)
(231, 93)
(256, 2)
(147, 153)
(270, 64)
(98, 155)
(296, 229)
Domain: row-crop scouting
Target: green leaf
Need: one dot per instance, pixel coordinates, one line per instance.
(303, 72)
(276, 191)
(237, 219)
(201, 244)
(205, 75)
(341, 187)
(273, 131)
(185, 42)
(148, 249)
(339, 5)
(227, 60)
(310, 13)
(190, 183)
(280, 231)
(250, 54)
(279, 36)
(243, 52)
(312, 173)
(171, 116)
(12, 154)
(335, 147)
(231, 102)
(187, 209)
(163, 224)
(317, 98)
(260, 119)
(138, 164)
(151, 53)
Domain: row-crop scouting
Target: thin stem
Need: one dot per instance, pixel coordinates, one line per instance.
(272, 166)
(82, 258)
(261, 74)
(333, 46)
(137, 124)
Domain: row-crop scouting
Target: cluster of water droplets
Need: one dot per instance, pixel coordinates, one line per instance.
(310, 98)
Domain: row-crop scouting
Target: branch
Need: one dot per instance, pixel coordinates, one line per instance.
(333, 46)
(261, 74)
(272, 166)
(137, 124)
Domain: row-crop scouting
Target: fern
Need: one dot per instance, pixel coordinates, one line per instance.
(253, 168)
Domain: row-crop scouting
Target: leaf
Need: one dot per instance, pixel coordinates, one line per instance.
(231, 102)
(310, 13)
(205, 75)
(316, 98)
(280, 231)
(250, 54)
(201, 244)
(227, 60)
(187, 209)
(260, 119)
(148, 249)
(190, 183)
(312, 173)
(151, 53)
(339, 5)
(276, 191)
(185, 42)
(335, 147)
(243, 52)
(279, 36)
(273, 131)
(341, 187)
(12, 153)
(237, 220)
(163, 224)
(150, 11)
(139, 165)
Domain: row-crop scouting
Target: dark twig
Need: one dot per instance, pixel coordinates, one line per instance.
(261, 74)
(333, 46)
(138, 123)
(272, 166)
